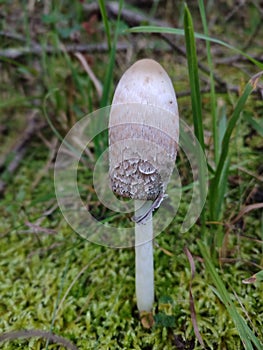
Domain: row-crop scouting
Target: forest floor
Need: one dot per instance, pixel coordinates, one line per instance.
(61, 291)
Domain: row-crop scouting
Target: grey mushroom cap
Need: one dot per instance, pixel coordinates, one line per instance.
(143, 132)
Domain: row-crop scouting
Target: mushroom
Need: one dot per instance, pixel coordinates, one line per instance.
(143, 138)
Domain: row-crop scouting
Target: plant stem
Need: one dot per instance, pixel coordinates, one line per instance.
(144, 274)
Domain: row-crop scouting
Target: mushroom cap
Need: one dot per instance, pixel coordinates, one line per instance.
(143, 131)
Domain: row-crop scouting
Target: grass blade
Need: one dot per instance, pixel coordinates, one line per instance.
(195, 93)
(193, 77)
(105, 21)
(212, 83)
(246, 335)
(178, 31)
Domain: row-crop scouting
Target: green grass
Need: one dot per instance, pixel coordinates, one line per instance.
(53, 280)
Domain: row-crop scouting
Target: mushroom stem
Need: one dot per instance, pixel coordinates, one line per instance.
(144, 274)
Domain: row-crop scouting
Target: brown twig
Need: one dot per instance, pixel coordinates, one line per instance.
(88, 70)
(13, 36)
(37, 333)
(34, 228)
(236, 59)
(206, 89)
(130, 17)
(36, 49)
(246, 210)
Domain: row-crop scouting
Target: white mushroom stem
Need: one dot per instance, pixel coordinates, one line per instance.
(144, 271)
